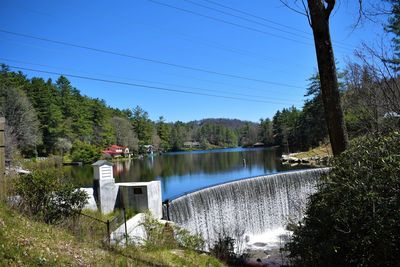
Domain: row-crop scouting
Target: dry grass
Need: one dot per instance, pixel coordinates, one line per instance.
(320, 151)
(24, 242)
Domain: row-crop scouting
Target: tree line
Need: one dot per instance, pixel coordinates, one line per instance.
(44, 118)
(54, 118)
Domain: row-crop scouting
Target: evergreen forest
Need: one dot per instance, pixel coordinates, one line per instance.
(45, 117)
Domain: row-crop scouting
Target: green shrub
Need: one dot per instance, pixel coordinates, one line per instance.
(45, 196)
(85, 152)
(224, 249)
(169, 235)
(354, 218)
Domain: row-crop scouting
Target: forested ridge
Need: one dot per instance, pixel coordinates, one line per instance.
(46, 117)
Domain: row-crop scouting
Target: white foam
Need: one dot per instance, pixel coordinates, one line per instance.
(271, 239)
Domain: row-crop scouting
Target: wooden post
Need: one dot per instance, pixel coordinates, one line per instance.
(2, 157)
(108, 234)
(126, 229)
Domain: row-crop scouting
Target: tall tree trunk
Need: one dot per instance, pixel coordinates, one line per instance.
(319, 11)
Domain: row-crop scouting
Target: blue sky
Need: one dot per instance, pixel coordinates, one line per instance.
(275, 54)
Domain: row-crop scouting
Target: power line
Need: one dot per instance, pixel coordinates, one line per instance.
(309, 37)
(226, 22)
(255, 16)
(147, 81)
(220, 46)
(143, 85)
(149, 59)
(231, 23)
(270, 21)
(246, 19)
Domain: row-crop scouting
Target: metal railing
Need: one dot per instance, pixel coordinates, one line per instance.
(86, 226)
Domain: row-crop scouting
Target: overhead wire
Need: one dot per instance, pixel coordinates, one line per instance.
(219, 46)
(226, 22)
(147, 81)
(104, 51)
(232, 23)
(271, 21)
(142, 85)
(245, 19)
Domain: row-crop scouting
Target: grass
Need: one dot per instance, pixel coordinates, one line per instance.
(24, 242)
(320, 151)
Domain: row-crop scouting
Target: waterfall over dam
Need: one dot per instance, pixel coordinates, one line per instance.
(252, 206)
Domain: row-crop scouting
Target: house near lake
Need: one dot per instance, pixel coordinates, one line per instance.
(190, 144)
(117, 151)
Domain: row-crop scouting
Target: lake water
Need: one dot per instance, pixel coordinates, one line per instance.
(182, 172)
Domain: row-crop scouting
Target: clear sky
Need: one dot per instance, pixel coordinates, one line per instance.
(263, 61)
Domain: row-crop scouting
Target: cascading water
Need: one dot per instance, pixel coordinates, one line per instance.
(253, 206)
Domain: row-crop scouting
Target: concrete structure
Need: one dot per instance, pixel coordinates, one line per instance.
(102, 169)
(104, 182)
(138, 196)
(142, 196)
(134, 229)
(91, 204)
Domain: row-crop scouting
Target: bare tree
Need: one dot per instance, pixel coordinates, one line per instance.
(372, 95)
(22, 126)
(124, 134)
(318, 13)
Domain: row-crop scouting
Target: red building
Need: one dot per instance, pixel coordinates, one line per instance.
(116, 151)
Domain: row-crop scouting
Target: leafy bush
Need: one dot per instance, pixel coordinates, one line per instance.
(169, 235)
(45, 196)
(353, 219)
(40, 163)
(85, 152)
(224, 249)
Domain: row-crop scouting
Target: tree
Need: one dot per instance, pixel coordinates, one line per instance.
(142, 125)
(84, 152)
(266, 132)
(124, 134)
(63, 145)
(248, 135)
(177, 136)
(22, 125)
(394, 28)
(312, 124)
(372, 96)
(319, 13)
(99, 116)
(164, 132)
(285, 125)
(45, 99)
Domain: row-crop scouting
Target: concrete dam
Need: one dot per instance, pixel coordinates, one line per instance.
(252, 206)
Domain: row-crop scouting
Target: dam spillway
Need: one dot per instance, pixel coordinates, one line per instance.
(253, 206)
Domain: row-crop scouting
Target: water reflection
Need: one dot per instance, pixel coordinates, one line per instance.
(186, 171)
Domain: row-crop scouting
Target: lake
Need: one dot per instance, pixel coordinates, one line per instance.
(182, 172)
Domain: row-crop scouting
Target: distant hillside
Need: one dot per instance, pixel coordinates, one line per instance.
(233, 124)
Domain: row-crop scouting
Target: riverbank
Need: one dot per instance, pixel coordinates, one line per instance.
(318, 157)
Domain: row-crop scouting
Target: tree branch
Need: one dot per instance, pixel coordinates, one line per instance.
(307, 12)
(329, 7)
(294, 9)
